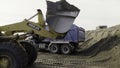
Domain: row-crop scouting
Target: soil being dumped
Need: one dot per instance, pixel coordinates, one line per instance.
(100, 50)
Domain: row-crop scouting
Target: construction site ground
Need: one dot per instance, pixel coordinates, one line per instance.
(101, 49)
(47, 60)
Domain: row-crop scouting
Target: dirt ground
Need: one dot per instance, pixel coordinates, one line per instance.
(47, 60)
(100, 50)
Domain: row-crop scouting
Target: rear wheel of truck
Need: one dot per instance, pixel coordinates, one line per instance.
(31, 52)
(66, 49)
(54, 48)
(12, 55)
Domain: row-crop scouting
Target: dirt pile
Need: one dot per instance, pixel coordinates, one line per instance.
(103, 45)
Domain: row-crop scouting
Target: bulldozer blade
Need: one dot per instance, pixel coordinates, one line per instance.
(61, 15)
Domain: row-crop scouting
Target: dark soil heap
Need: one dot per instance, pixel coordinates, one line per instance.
(103, 46)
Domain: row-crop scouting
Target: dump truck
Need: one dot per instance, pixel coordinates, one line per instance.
(56, 34)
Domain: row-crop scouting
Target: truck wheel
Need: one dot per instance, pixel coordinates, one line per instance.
(66, 49)
(12, 56)
(31, 52)
(54, 48)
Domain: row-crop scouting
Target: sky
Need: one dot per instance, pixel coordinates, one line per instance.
(93, 12)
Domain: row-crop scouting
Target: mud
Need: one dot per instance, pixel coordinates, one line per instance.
(100, 50)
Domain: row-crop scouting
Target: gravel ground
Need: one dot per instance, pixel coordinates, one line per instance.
(47, 60)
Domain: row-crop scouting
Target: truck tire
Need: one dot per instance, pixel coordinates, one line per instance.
(31, 52)
(12, 55)
(66, 49)
(55, 49)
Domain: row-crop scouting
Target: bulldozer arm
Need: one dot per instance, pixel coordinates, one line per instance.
(26, 26)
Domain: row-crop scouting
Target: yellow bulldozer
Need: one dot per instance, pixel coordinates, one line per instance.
(57, 34)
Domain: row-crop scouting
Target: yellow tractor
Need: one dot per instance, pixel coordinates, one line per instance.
(57, 34)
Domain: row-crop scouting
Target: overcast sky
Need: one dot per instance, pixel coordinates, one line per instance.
(93, 12)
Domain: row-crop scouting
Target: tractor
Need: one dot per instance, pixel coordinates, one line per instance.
(57, 34)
